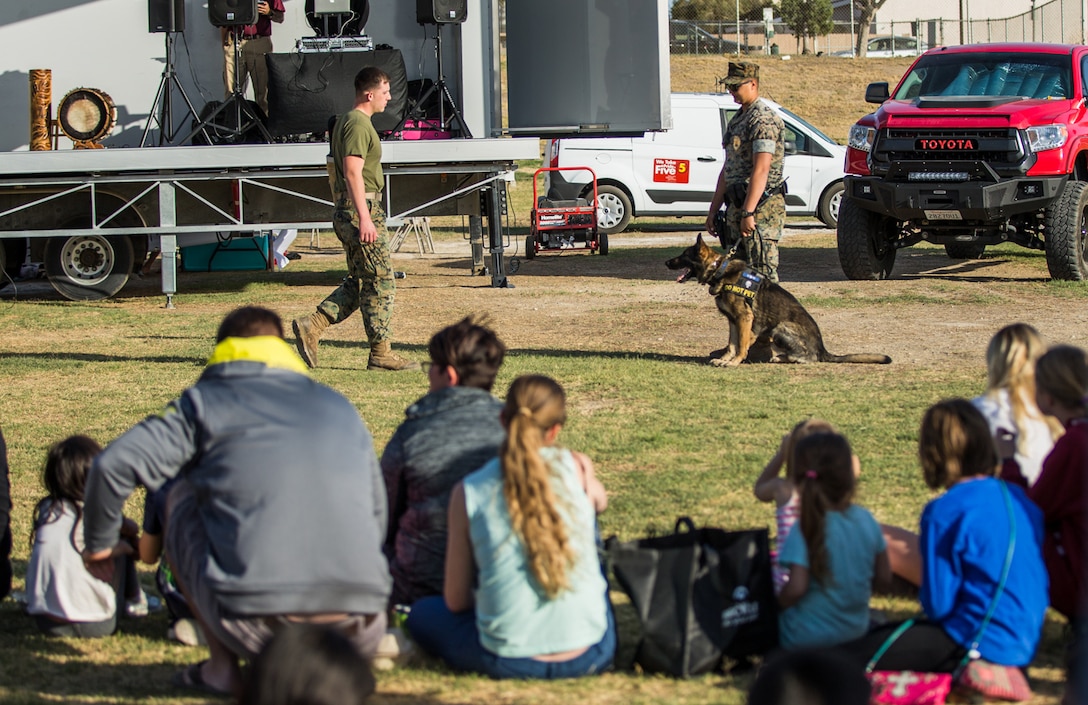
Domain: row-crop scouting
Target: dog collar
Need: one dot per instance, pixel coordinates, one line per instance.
(719, 270)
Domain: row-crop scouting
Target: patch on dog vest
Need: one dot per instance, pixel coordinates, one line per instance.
(748, 284)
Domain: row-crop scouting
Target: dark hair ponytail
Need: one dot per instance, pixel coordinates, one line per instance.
(825, 469)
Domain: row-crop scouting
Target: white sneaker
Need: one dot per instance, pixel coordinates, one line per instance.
(395, 649)
(188, 632)
(143, 605)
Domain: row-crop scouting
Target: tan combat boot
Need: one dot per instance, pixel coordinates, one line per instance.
(382, 357)
(308, 331)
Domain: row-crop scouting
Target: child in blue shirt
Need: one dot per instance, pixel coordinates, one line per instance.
(836, 556)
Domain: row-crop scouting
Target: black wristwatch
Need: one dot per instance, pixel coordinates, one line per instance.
(745, 214)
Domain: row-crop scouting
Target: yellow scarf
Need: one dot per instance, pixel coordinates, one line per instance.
(269, 349)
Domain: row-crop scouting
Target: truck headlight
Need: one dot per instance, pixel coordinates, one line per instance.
(861, 138)
(1046, 137)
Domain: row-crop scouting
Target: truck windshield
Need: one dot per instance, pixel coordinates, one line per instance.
(1043, 76)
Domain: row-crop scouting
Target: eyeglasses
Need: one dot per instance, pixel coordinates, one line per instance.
(734, 89)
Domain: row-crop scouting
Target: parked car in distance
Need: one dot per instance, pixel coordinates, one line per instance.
(888, 47)
(675, 172)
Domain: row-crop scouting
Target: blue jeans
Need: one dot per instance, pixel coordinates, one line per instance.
(454, 638)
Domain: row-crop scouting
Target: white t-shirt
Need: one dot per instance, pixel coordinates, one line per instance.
(57, 582)
(1033, 439)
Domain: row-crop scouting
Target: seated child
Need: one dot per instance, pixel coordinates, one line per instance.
(524, 595)
(836, 557)
(62, 596)
(183, 626)
(770, 486)
(960, 555)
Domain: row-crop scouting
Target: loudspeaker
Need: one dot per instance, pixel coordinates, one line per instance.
(165, 16)
(232, 13)
(441, 11)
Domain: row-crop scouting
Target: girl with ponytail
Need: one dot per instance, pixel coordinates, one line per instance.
(524, 595)
(837, 555)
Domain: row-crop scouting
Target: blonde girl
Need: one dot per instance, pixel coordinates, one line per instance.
(524, 595)
(1009, 402)
(835, 558)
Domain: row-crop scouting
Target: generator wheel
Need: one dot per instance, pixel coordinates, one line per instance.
(530, 247)
(602, 243)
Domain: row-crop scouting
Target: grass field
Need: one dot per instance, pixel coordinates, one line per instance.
(670, 435)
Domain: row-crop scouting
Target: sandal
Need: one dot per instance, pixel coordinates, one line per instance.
(191, 678)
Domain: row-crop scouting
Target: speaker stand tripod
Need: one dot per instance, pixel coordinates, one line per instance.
(162, 109)
(236, 105)
(443, 96)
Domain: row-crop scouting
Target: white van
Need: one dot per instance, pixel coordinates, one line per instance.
(674, 173)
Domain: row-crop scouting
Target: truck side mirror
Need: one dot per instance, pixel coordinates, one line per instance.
(877, 92)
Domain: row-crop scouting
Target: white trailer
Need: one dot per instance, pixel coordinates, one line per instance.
(87, 213)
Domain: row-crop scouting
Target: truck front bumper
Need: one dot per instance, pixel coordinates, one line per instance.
(937, 202)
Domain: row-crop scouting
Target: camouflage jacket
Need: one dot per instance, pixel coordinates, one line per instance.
(756, 126)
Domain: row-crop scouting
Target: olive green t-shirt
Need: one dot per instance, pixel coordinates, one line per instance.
(355, 136)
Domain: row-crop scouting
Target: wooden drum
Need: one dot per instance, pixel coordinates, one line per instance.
(86, 114)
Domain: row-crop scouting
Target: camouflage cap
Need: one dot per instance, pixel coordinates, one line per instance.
(739, 72)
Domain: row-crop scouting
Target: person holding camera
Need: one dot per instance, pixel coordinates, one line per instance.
(254, 41)
(751, 179)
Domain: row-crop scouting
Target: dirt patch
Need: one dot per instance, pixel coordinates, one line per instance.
(935, 311)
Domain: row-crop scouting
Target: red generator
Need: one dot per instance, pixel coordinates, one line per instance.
(564, 224)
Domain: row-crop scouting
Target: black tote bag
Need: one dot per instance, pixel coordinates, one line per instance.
(700, 594)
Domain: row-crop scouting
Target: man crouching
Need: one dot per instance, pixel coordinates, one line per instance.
(280, 511)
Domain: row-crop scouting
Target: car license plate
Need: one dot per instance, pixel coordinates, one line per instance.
(944, 215)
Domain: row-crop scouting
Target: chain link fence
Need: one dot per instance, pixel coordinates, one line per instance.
(1055, 22)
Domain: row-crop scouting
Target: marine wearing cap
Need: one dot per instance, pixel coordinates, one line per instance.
(740, 72)
(751, 180)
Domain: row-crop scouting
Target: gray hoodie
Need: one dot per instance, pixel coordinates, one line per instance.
(287, 483)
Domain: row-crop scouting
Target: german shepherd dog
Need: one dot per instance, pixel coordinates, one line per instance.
(766, 323)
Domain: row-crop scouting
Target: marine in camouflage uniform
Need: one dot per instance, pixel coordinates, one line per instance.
(756, 129)
(369, 286)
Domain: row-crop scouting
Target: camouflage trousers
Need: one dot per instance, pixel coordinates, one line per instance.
(368, 287)
(760, 250)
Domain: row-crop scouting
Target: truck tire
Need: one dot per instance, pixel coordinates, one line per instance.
(1065, 235)
(964, 250)
(864, 250)
(830, 202)
(88, 267)
(613, 209)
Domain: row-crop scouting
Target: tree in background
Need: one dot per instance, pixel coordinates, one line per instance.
(865, 11)
(807, 18)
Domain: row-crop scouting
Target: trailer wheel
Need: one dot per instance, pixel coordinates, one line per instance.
(88, 267)
(613, 209)
(12, 255)
(964, 250)
(602, 243)
(830, 202)
(530, 247)
(1066, 233)
(865, 250)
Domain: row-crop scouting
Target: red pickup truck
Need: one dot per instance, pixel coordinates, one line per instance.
(977, 145)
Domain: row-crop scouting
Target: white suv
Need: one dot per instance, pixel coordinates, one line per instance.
(674, 173)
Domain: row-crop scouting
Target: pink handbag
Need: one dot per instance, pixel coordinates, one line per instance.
(909, 687)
